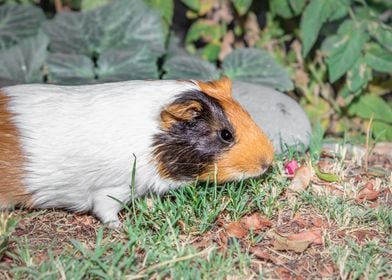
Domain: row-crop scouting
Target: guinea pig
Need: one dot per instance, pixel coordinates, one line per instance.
(73, 147)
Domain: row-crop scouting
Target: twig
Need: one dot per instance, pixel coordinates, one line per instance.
(367, 143)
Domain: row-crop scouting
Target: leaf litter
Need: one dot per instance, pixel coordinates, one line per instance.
(288, 245)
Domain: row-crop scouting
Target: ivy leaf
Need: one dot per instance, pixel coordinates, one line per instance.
(314, 16)
(340, 10)
(70, 69)
(24, 62)
(117, 25)
(382, 131)
(193, 4)
(383, 35)
(189, 67)
(287, 8)
(257, 66)
(345, 51)
(297, 6)
(164, 7)
(204, 29)
(379, 59)
(369, 105)
(359, 75)
(120, 65)
(18, 22)
(92, 4)
(241, 6)
(70, 33)
(200, 6)
(211, 52)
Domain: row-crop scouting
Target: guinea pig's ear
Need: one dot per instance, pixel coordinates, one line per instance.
(180, 112)
(219, 89)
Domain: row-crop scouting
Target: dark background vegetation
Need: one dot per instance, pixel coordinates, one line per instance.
(333, 56)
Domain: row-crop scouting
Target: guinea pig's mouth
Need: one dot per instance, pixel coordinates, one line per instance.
(230, 175)
(247, 175)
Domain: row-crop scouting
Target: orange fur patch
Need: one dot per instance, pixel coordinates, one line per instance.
(12, 191)
(252, 151)
(176, 112)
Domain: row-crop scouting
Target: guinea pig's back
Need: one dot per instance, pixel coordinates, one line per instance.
(76, 140)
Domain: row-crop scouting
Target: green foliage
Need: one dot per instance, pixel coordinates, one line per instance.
(250, 65)
(7, 225)
(336, 54)
(287, 8)
(24, 62)
(257, 66)
(18, 22)
(346, 50)
(242, 6)
(120, 40)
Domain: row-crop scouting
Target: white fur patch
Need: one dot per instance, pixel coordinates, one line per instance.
(79, 141)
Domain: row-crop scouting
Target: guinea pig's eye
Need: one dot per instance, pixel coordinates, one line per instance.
(226, 136)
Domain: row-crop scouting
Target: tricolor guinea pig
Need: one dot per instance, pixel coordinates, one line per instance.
(73, 147)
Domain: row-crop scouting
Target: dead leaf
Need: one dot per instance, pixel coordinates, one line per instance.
(260, 253)
(362, 234)
(282, 243)
(263, 254)
(223, 12)
(327, 270)
(317, 222)
(368, 193)
(182, 225)
(314, 236)
(298, 221)
(226, 46)
(283, 273)
(301, 78)
(301, 179)
(252, 30)
(255, 222)
(235, 229)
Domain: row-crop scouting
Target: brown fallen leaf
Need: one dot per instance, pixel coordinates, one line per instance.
(327, 270)
(314, 236)
(255, 222)
(283, 273)
(282, 243)
(226, 46)
(298, 221)
(252, 30)
(235, 229)
(362, 234)
(368, 193)
(301, 77)
(301, 179)
(262, 254)
(318, 222)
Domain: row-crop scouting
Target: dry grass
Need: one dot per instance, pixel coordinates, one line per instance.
(330, 230)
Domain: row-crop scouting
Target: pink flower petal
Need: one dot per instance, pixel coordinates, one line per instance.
(290, 167)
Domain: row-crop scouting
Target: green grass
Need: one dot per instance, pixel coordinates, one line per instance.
(159, 237)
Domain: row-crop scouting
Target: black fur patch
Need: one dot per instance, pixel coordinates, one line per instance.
(188, 147)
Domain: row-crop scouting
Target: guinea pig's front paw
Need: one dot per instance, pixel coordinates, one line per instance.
(116, 224)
